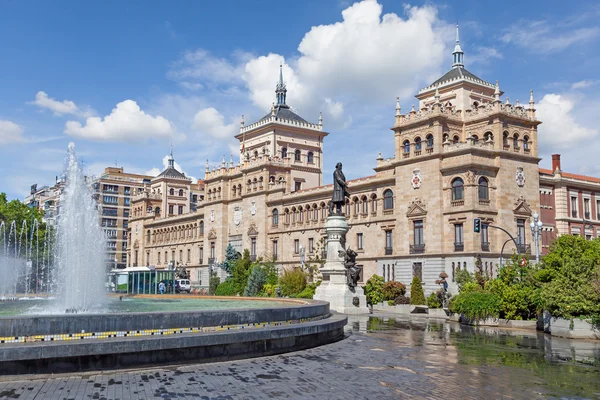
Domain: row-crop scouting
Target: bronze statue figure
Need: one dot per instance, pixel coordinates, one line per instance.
(339, 191)
(352, 270)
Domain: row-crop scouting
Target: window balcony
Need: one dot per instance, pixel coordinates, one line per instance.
(406, 155)
(587, 215)
(573, 213)
(388, 251)
(252, 257)
(417, 152)
(459, 246)
(484, 202)
(457, 203)
(485, 246)
(274, 257)
(524, 248)
(211, 261)
(417, 248)
(429, 150)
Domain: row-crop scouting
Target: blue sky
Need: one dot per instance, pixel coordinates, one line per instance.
(124, 79)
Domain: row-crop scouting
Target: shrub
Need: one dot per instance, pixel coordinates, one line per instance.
(417, 296)
(226, 288)
(476, 305)
(433, 301)
(392, 289)
(292, 282)
(374, 290)
(309, 291)
(268, 290)
(470, 287)
(256, 280)
(213, 283)
(462, 277)
(402, 300)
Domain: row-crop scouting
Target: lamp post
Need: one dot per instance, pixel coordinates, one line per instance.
(536, 231)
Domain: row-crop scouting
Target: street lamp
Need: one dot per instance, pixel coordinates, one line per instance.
(536, 231)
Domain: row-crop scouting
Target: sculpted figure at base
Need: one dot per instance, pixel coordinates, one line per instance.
(339, 191)
(352, 271)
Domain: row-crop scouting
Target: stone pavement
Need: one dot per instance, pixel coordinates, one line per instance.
(385, 364)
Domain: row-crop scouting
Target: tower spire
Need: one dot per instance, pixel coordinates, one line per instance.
(458, 54)
(171, 159)
(280, 89)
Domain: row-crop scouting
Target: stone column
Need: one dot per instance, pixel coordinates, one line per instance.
(334, 287)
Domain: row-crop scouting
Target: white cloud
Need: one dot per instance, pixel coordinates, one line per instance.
(42, 100)
(126, 123)
(559, 126)
(545, 37)
(483, 55)
(155, 171)
(586, 83)
(202, 65)
(210, 121)
(10, 132)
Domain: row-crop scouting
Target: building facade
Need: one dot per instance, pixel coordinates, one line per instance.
(464, 153)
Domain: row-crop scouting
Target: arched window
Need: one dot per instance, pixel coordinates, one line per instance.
(458, 189)
(406, 146)
(505, 139)
(356, 206)
(300, 214)
(475, 105)
(172, 192)
(418, 144)
(365, 205)
(516, 141)
(483, 191)
(201, 227)
(455, 139)
(275, 217)
(374, 203)
(475, 138)
(310, 157)
(347, 208)
(430, 140)
(284, 152)
(388, 200)
(488, 136)
(234, 190)
(287, 216)
(157, 211)
(271, 180)
(445, 138)
(297, 155)
(526, 142)
(181, 192)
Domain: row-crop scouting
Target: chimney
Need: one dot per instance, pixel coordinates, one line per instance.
(555, 163)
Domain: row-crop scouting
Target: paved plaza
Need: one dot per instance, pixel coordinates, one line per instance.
(386, 362)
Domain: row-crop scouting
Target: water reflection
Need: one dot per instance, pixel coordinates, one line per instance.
(558, 365)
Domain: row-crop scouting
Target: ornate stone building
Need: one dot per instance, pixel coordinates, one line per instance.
(463, 154)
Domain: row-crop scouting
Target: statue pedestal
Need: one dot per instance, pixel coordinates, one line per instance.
(334, 287)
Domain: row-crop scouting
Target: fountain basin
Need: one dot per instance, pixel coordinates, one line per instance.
(75, 342)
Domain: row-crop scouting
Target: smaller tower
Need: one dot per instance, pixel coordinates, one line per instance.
(171, 159)
(280, 89)
(458, 54)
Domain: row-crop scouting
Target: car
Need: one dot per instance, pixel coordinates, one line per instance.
(183, 285)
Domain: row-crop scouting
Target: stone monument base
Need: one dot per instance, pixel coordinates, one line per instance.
(341, 298)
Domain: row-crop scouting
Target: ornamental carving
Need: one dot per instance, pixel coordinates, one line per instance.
(470, 177)
(416, 180)
(253, 208)
(252, 231)
(237, 215)
(520, 177)
(416, 209)
(522, 207)
(212, 234)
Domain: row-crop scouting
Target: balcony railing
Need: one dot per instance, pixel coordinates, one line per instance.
(274, 257)
(252, 257)
(388, 251)
(417, 248)
(211, 261)
(485, 246)
(587, 215)
(573, 213)
(524, 248)
(459, 246)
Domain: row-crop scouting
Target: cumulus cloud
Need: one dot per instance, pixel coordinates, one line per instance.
(211, 122)
(586, 83)
(366, 57)
(10, 132)
(42, 100)
(484, 55)
(165, 161)
(544, 37)
(126, 123)
(559, 127)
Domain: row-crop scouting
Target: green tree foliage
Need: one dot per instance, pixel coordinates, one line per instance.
(256, 281)
(476, 305)
(374, 290)
(231, 257)
(240, 272)
(309, 291)
(571, 273)
(227, 288)
(433, 301)
(392, 289)
(417, 296)
(462, 277)
(292, 282)
(315, 262)
(213, 283)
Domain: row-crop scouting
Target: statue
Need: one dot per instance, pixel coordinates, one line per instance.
(339, 191)
(181, 272)
(352, 271)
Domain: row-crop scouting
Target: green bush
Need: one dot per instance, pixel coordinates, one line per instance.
(374, 290)
(402, 300)
(256, 280)
(462, 277)
(470, 287)
(476, 305)
(309, 291)
(393, 289)
(433, 301)
(227, 288)
(417, 296)
(268, 290)
(292, 282)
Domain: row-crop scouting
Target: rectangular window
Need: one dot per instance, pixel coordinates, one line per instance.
(359, 241)
(180, 255)
(459, 244)
(201, 257)
(126, 201)
(311, 245)
(297, 186)
(170, 209)
(296, 246)
(275, 249)
(147, 258)
(189, 258)
(485, 242)
(598, 209)
(388, 242)
(173, 255)
(127, 191)
(417, 269)
(521, 232)
(418, 233)
(253, 247)
(212, 250)
(135, 259)
(110, 199)
(180, 210)
(110, 212)
(573, 207)
(158, 258)
(586, 208)
(166, 257)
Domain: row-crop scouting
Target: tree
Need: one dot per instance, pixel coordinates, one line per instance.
(374, 290)
(213, 282)
(240, 272)
(417, 296)
(231, 256)
(256, 281)
(292, 282)
(315, 262)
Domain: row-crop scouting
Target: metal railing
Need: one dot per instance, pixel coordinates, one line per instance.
(388, 251)
(485, 246)
(459, 246)
(417, 248)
